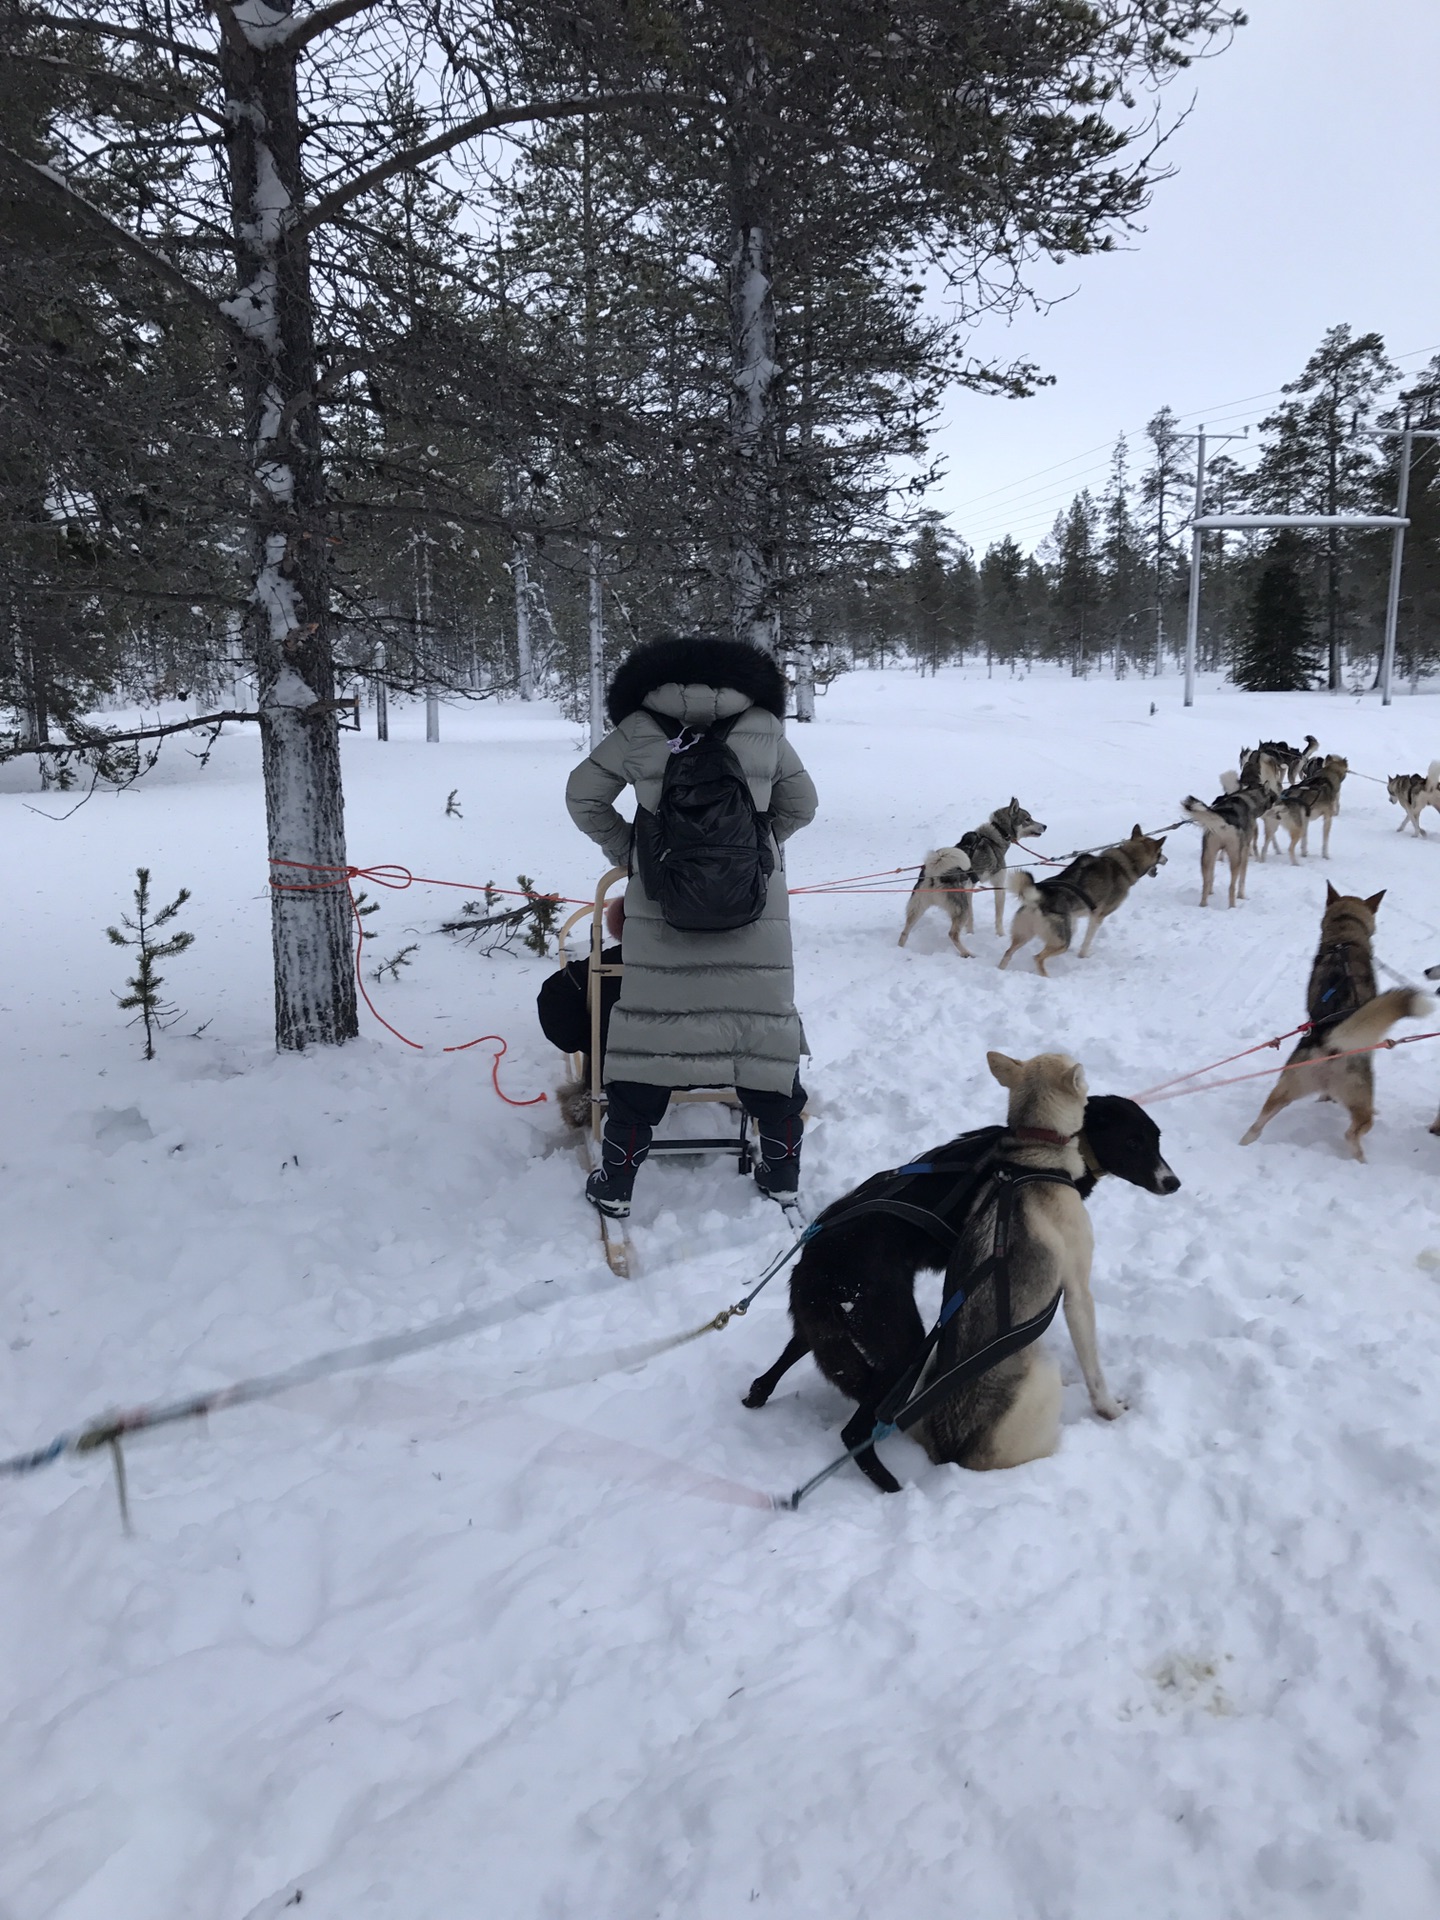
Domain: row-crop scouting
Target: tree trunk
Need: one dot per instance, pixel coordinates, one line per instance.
(754, 425)
(803, 644)
(287, 623)
(524, 663)
(597, 649)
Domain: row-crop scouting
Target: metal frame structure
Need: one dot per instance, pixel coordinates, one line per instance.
(1397, 522)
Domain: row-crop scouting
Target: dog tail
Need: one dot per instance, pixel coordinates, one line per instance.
(1018, 881)
(1229, 781)
(945, 860)
(1432, 778)
(1202, 815)
(1368, 1026)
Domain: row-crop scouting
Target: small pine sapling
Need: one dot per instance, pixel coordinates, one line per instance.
(396, 961)
(145, 983)
(452, 805)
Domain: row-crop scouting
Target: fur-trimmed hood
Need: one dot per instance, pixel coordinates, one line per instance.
(695, 660)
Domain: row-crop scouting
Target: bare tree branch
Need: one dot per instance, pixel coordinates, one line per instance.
(88, 743)
(306, 27)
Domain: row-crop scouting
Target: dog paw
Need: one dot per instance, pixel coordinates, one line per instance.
(1110, 1408)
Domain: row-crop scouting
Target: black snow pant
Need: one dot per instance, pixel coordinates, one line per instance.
(634, 1109)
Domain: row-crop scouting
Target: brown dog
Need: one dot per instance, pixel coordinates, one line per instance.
(1346, 1014)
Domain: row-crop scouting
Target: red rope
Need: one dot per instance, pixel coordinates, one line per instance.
(382, 877)
(1290, 1066)
(1244, 1054)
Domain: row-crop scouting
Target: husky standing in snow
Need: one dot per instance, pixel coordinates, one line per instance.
(1230, 823)
(950, 875)
(1414, 792)
(943, 877)
(1346, 1013)
(852, 1294)
(1095, 883)
(1316, 796)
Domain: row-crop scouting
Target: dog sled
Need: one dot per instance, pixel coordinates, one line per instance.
(587, 1070)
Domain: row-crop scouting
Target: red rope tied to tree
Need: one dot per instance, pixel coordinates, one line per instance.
(398, 879)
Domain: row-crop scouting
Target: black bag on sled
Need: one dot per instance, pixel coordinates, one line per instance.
(704, 854)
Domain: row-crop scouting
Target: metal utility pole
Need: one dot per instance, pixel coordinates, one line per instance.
(1192, 611)
(1408, 435)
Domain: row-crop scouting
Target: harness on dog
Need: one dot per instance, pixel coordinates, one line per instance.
(902, 1407)
(972, 1157)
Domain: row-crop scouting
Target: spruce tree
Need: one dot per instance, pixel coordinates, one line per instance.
(1276, 652)
(145, 983)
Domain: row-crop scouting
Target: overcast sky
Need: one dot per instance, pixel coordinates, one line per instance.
(1306, 193)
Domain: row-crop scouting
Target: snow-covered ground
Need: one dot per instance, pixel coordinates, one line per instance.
(449, 1638)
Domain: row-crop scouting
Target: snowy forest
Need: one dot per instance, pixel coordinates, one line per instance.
(592, 322)
(559, 402)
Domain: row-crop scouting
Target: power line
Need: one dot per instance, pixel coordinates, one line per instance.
(1221, 411)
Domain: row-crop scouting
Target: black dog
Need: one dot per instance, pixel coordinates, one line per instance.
(852, 1293)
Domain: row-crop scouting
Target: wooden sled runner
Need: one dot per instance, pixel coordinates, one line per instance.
(613, 1234)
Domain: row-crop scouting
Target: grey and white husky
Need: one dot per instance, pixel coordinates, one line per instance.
(951, 875)
(1229, 824)
(1413, 792)
(1095, 883)
(1315, 796)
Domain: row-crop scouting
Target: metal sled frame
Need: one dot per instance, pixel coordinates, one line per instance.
(737, 1143)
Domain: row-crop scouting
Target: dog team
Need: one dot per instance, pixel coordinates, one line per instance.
(1016, 1218)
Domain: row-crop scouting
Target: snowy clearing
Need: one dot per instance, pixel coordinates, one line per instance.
(449, 1630)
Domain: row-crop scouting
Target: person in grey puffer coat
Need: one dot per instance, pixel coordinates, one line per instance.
(697, 1009)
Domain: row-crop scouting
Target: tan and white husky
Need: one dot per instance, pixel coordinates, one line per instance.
(1346, 1014)
(1012, 1413)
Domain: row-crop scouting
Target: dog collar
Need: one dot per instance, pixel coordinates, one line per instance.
(1045, 1136)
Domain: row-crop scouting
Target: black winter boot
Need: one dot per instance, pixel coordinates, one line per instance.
(777, 1172)
(623, 1149)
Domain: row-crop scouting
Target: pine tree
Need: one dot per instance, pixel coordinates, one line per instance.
(1320, 458)
(1164, 488)
(1075, 601)
(1276, 653)
(145, 983)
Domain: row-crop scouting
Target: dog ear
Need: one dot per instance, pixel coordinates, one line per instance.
(1374, 901)
(1075, 1082)
(1330, 895)
(1005, 1070)
(1014, 800)
(1137, 832)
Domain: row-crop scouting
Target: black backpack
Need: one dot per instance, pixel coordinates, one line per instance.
(704, 854)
